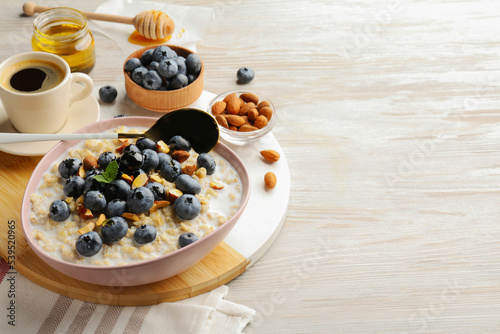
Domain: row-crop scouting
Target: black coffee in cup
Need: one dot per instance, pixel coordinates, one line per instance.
(32, 76)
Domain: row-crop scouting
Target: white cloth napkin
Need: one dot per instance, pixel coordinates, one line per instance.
(37, 310)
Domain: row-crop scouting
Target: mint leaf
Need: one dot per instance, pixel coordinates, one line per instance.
(109, 174)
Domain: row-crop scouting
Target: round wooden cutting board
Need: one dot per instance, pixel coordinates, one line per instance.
(251, 237)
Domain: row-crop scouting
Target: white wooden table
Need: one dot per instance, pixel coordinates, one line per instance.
(391, 126)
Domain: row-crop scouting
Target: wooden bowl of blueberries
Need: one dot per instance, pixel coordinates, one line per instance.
(163, 77)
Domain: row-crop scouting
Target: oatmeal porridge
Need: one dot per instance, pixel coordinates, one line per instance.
(115, 202)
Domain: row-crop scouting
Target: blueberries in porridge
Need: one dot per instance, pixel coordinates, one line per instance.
(115, 202)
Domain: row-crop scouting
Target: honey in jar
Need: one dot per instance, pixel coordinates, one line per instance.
(65, 32)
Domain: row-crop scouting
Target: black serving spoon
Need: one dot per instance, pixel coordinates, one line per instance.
(195, 125)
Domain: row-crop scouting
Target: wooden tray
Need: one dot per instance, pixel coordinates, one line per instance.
(252, 236)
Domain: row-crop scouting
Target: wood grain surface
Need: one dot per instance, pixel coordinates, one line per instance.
(390, 124)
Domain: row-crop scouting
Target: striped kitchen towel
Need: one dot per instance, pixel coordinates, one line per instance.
(30, 308)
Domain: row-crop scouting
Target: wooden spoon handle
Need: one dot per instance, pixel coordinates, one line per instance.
(30, 8)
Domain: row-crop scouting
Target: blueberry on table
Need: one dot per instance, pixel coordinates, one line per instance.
(145, 234)
(187, 207)
(132, 64)
(116, 207)
(179, 143)
(151, 160)
(105, 158)
(59, 210)
(94, 200)
(114, 229)
(158, 190)
(171, 170)
(118, 189)
(167, 68)
(89, 244)
(144, 143)
(152, 80)
(140, 200)
(74, 186)
(187, 239)
(193, 63)
(187, 184)
(245, 75)
(206, 161)
(137, 75)
(69, 167)
(107, 93)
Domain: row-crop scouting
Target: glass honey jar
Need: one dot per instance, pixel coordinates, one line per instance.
(65, 32)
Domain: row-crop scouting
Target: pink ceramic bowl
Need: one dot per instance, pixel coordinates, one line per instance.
(147, 271)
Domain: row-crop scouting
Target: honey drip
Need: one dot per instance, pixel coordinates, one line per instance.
(137, 39)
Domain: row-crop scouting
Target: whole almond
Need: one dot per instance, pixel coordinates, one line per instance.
(180, 155)
(218, 108)
(267, 112)
(89, 162)
(252, 114)
(235, 120)
(246, 108)
(260, 122)
(233, 106)
(247, 128)
(222, 121)
(263, 104)
(233, 128)
(229, 97)
(270, 155)
(270, 180)
(245, 118)
(250, 97)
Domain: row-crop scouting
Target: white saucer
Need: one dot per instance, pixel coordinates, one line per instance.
(81, 113)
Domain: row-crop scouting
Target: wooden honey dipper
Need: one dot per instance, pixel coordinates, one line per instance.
(151, 24)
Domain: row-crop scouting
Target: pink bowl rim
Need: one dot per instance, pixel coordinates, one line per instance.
(130, 121)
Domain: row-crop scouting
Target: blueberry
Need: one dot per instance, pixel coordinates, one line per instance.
(131, 161)
(132, 64)
(94, 200)
(171, 170)
(179, 143)
(59, 210)
(74, 186)
(187, 184)
(116, 207)
(147, 57)
(91, 184)
(151, 80)
(119, 189)
(206, 161)
(178, 81)
(69, 167)
(167, 68)
(181, 65)
(153, 66)
(187, 207)
(89, 244)
(158, 190)
(193, 63)
(163, 158)
(107, 93)
(160, 53)
(164, 86)
(191, 78)
(114, 229)
(245, 75)
(151, 160)
(140, 200)
(131, 147)
(187, 239)
(137, 75)
(105, 158)
(144, 143)
(145, 234)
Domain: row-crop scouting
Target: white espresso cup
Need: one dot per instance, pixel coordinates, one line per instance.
(37, 90)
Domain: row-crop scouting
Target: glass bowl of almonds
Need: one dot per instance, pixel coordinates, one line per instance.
(243, 116)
